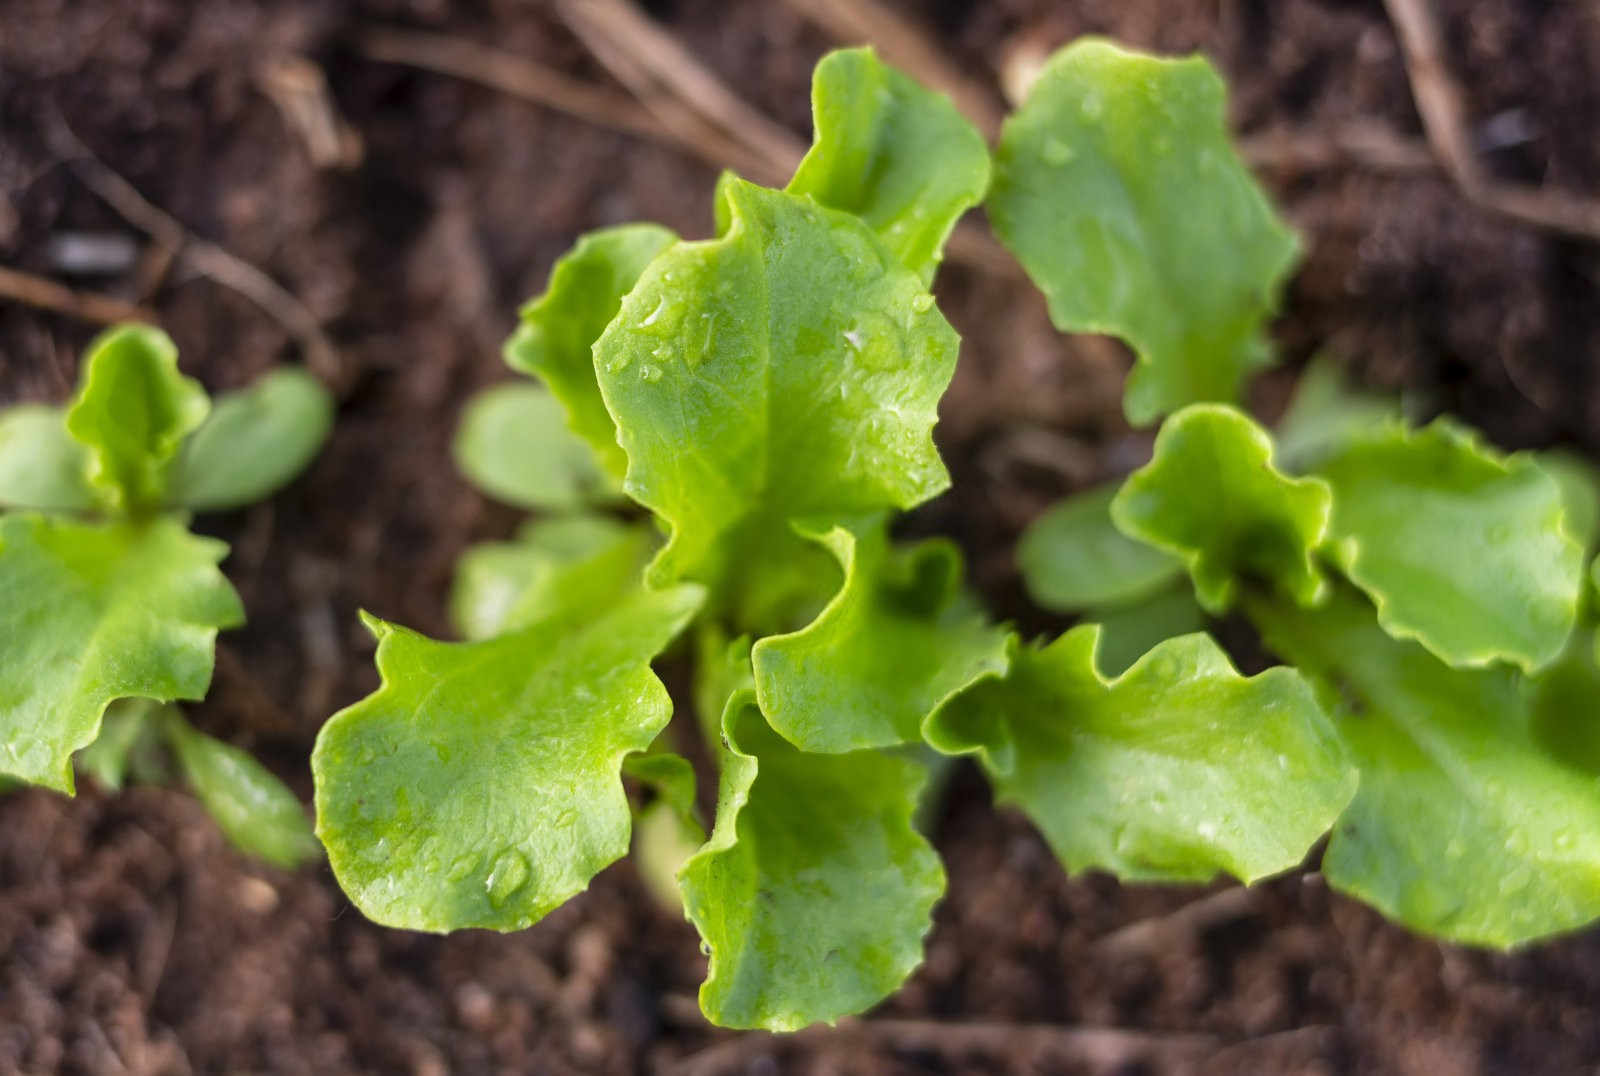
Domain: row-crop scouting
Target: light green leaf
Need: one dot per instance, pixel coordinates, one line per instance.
(252, 807)
(253, 443)
(1176, 770)
(126, 724)
(1579, 480)
(896, 155)
(480, 785)
(1467, 825)
(92, 613)
(900, 637)
(1460, 548)
(789, 369)
(513, 446)
(132, 411)
(1326, 415)
(41, 466)
(667, 830)
(500, 586)
(1116, 187)
(814, 892)
(1128, 631)
(1074, 558)
(556, 336)
(1212, 496)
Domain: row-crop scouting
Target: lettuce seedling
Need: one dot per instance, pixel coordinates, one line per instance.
(108, 600)
(768, 395)
(1430, 589)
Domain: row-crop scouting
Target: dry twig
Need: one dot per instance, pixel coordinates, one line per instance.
(1438, 99)
(45, 294)
(300, 90)
(201, 255)
(1162, 931)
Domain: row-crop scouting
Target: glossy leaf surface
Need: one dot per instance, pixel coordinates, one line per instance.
(814, 891)
(480, 785)
(132, 411)
(893, 153)
(513, 445)
(253, 808)
(1212, 496)
(41, 465)
(790, 369)
(1477, 818)
(1116, 187)
(1073, 557)
(91, 613)
(254, 442)
(900, 637)
(555, 339)
(1460, 548)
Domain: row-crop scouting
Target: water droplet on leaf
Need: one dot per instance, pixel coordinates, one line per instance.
(509, 874)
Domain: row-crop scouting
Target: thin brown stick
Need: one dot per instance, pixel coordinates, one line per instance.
(905, 44)
(1162, 931)
(513, 75)
(1101, 1047)
(1363, 145)
(37, 291)
(659, 55)
(1439, 103)
(201, 255)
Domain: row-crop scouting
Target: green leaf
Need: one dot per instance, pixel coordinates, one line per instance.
(1128, 631)
(1116, 187)
(896, 155)
(253, 443)
(900, 638)
(1176, 770)
(1467, 824)
(132, 411)
(815, 891)
(556, 336)
(91, 613)
(790, 369)
(254, 809)
(480, 785)
(1074, 558)
(1459, 547)
(41, 466)
(1579, 480)
(500, 586)
(126, 725)
(1212, 496)
(1326, 415)
(513, 446)
(667, 830)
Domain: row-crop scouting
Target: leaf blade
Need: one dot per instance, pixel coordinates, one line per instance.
(1116, 187)
(253, 443)
(897, 155)
(513, 445)
(1176, 770)
(90, 613)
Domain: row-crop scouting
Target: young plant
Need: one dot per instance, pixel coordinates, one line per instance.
(1431, 589)
(109, 606)
(769, 395)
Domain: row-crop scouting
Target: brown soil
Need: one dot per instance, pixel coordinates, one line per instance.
(132, 939)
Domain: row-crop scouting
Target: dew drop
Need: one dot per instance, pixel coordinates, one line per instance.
(650, 372)
(460, 867)
(566, 819)
(654, 315)
(922, 303)
(509, 874)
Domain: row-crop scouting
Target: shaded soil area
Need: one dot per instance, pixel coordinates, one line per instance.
(133, 940)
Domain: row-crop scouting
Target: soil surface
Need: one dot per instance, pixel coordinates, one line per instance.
(132, 939)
